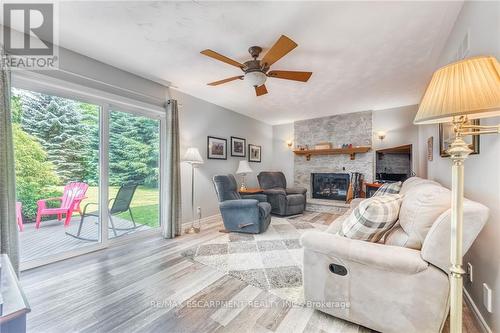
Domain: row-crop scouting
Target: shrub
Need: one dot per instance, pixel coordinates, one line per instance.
(35, 175)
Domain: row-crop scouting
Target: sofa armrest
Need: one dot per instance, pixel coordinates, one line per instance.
(384, 257)
(275, 191)
(238, 204)
(296, 190)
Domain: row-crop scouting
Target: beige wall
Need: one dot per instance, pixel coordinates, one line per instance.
(482, 172)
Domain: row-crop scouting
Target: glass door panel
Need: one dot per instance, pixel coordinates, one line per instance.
(56, 147)
(134, 193)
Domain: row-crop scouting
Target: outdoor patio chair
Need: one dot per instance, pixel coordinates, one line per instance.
(121, 204)
(73, 194)
(19, 215)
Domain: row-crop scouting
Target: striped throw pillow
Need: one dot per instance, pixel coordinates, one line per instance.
(373, 218)
(388, 188)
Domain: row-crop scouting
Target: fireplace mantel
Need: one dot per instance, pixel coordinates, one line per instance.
(334, 151)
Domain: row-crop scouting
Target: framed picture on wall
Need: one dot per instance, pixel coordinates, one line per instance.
(446, 137)
(238, 146)
(254, 153)
(216, 148)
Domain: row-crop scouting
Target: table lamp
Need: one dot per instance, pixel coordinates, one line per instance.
(458, 92)
(243, 170)
(193, 157)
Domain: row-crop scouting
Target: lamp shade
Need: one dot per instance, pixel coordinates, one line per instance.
(469, 87)
(192, 156)
(244, 167)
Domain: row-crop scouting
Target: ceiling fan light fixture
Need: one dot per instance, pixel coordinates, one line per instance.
(255, 78)
(256, 71)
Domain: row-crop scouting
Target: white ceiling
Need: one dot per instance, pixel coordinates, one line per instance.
(363, 55)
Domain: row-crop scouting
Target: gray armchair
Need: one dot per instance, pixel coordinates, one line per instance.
(249, 215)
(283, 200)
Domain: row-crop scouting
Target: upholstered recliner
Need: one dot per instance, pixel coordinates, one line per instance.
(399, 284)
(249, 215)
(284, 201)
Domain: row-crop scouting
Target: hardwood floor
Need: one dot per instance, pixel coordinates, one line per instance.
(147, 286)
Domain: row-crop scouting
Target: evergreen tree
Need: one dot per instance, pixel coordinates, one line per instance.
(91, 121)
(133, 149)
(69, 133)
(58, 124)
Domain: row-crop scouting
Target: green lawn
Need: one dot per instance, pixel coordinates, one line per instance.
(144, 204)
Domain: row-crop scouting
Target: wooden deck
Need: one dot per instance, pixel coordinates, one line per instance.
(148, 286)
(52, 239)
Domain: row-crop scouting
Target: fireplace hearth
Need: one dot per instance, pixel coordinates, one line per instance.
(333, 186)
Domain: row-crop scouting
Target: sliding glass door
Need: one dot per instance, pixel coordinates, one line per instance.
(87, 173)
(134, 191)
(56, 147)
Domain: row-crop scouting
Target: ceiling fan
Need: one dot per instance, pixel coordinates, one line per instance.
(257, 71)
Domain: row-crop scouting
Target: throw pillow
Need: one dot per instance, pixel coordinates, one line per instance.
(388, 188)
(373, 218)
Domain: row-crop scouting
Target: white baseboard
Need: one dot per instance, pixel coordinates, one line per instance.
(482, 323)
(205, 220)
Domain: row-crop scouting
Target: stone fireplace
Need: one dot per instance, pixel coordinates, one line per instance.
(330, 185)
(350, 128)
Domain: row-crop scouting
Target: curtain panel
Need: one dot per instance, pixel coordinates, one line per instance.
(9, 243)
(172, 222)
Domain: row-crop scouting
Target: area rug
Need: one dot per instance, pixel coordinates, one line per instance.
(271, 261)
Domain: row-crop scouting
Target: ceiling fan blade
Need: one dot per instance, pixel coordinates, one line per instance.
(220, 57)
(216, 83)
(261, 90)
(279, 50)
(290, 75)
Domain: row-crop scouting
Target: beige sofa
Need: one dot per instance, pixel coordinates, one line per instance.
(401, 283)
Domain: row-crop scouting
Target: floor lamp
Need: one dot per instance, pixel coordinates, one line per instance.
(192, 157)
(464, 90)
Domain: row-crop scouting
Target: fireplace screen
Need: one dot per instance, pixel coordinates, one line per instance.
(332, 186)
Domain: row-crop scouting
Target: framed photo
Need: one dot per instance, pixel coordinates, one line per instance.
(238, 146)
(216, 148)
(430, 147)
(254, 153)
(446, 137)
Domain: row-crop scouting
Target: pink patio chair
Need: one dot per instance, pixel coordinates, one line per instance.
(19, 216)
(73, 194)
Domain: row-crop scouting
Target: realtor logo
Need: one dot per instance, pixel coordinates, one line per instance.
(29, 35)
(36, 23)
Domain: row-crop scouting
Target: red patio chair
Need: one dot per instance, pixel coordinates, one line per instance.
(19, 216)
(73, 194)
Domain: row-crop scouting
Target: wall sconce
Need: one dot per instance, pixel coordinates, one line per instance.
(381, 135)
(289, 143)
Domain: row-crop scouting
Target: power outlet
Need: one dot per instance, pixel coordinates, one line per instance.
(198, 212)
(487, 297)
(470, 272)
